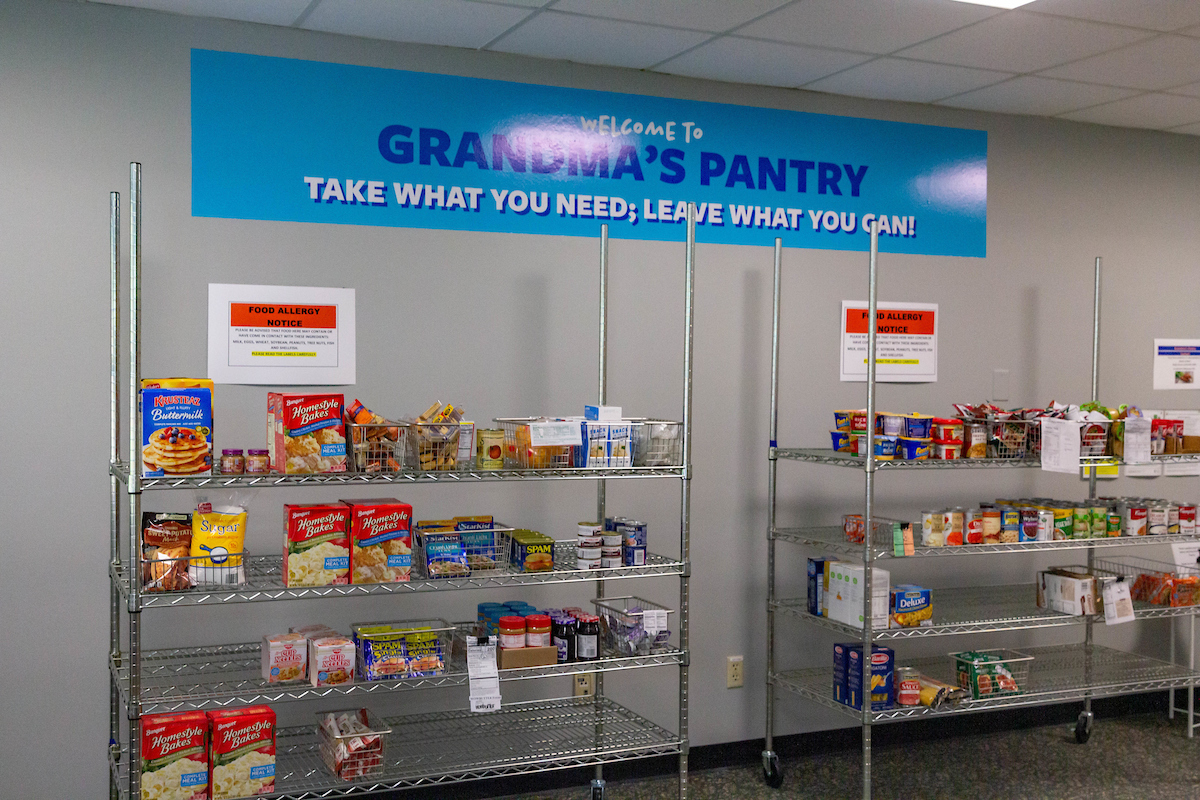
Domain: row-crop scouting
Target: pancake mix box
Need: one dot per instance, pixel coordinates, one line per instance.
(177, 422)
(308, 432)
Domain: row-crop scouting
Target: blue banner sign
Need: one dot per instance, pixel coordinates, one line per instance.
(304, 141)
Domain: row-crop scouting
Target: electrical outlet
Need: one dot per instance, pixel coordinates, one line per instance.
(734, 679)
(585, 684)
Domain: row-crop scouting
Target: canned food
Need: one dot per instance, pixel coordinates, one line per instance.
(588, 563)
(588, 553)
(588, 530)
(1156, 520)
(1099, 521)
(931, 529)
(610, 539)
(611, 557)
(1114, 524)
(1029, 525)
(489, 449)
(1064, 524)
(1187, 519)
(947, 451)
(952, 527)
(991, 526)
(973, 526)
(1082, 516)
(1172, 518)
(634, 555)
(634, 533)
(590, 542)
(908, 686)
(975, 440)
(1045, 525)
(1135, 520)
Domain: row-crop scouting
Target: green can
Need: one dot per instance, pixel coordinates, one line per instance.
(1082, 516)
(1064, 526)
(1099, 522)
(1114, 524)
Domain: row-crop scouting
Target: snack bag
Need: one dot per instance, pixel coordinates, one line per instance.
(177, 424)
(166, 545)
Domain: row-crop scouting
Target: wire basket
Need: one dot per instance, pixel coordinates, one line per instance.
(519, 452)
(1005, 438)
(657, 443)
(486, 550)
(992, 673)
(174, 574)
(1155, 582)
(623, 629)
(405, 649)
(439, 446)
(375, 447)
(1093, 438)
(353, 742)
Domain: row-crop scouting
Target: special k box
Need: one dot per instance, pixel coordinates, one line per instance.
(242, 753)
(309, 433)
(380, 540)
(175, 756)
(316, 544)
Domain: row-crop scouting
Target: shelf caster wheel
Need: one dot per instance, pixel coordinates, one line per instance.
(597, 789)
(772, 772)
(1083, 727)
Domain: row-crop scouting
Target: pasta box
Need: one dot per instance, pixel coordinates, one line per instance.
(243, 752)
(911, 606)
(175, 755)
(316, 544)
(883, 668)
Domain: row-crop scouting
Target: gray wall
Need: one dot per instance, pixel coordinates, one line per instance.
(85, 89)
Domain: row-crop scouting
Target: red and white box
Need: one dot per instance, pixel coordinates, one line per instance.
(175, 756)
(242, 753)
(330, 660)
(380, 541)
(316, 544)
(309, 433)
(284, 658)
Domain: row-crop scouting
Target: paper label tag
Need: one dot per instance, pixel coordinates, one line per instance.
(1060, 445)
(1137, 441)
(1118, 605)
(482, 676)
(1185, 555)
(555, 434)
(654, 620)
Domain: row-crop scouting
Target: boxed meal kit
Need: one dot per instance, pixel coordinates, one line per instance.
(316, 544)
(177, 427)
(380, 540)
(242, 761)
(309, 433)
(175, 755)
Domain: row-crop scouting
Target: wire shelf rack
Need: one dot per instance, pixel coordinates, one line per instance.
(264, 581)
(978, 609)
(230, 674)
(449, 747)
(834, 458)
(832, 539)
(1060, 673)
(405, 476)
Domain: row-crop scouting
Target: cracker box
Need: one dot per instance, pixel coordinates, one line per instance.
(310, 434)
(330, 660)
(380, 541)
(242, 754)
(177, 433)
(316, 544)
(284, 658)
(175, 756)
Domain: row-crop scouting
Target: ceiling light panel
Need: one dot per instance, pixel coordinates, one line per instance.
(1006, 4)
(736, 60)
(596, 41)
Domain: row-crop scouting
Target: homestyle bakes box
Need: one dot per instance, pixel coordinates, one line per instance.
(316, 544)
(175, 756)
(309, 433)
(380, 540)
(177, 425)
(242, 761)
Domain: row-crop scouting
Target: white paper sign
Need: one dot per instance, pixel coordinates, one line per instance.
(286, 335)
(1185, 554)
(482, 676)
(1176, 363)
(1143, 470)
(1181, 470)
(1060, 445)
(654, 620)
(1118, 605)
(905, 342)
(555, 434)
(1137, 441)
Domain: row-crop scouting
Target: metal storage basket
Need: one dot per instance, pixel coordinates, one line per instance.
(1155, 582)
(438, 446)
(622, 628)
(402, 649)
(992, 673)
(188, 572)
(375, 447)
(519, 452)
(657, 443)
(487, 551)
(353, 755)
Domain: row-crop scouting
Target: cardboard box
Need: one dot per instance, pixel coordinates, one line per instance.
(883, 678)
(841, 656)
(602, 413)
(816, 584)
(910, 606)
(1068, 590)
(845, 601)
(521, 657)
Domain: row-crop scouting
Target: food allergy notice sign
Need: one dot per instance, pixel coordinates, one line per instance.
(280, 335)
(906, 343)
(1176, 362)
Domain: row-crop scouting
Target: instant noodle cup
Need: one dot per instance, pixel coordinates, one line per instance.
(947, 451)
(946, 430)
(858, 420)
(843, 420)
(844, 442)
(912, 449)
(885, 447)
(918, 426)
(889, 424)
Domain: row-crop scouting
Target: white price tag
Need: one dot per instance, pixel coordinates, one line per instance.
(555, 434)
(654, 620)
(1137, 441)
(482, 676)
(1060, 445)
(1118, 605)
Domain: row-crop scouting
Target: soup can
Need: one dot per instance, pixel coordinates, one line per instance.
(991, 526)
(1114, 524)
(1156, 520)
(952, 527)
(1099, 522)
(1064, 524)
(635, 556)
(489, 452)
(1135, 520)
(908, 686)
(1029, 525)
(973, 526)
(931, 529)
(1187, 519)
(1172, 518)
(1045, 525)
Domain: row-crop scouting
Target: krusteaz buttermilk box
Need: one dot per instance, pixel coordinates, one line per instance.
(177, 427)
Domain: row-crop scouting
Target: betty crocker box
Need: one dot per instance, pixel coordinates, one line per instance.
(309, 433)
(316, 544)
(175, 756)
(381, 541)
(242, 752)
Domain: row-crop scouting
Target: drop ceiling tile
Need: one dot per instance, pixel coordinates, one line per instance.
(596, 41)
(1030, 94)
(737, 60)
(1158, 15)
(869, 26)
(705, 15)
(525, 3)
(913, 81)
(277, 12)
(1144, 111)
(1158, 63)
(1191, 31)
(455, 23)
(1023, 42)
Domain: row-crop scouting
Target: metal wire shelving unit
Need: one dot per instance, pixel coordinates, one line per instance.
(424, 749)
(1061, 673)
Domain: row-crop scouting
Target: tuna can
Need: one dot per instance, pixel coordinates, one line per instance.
(1029, 525)
(635, 555)
(1045, 525)
(612, 539)
(1156, 520)
(1187, 519)
(1135, 520)
(588, 563)
(908, 686)
(973, 526)
(611, 557)
(590, 530)
(588, 554)
(931, 529)
(1172, 518)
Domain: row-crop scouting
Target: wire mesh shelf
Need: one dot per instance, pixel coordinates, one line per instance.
(1059, 674)
(455, 746)
(837, 459)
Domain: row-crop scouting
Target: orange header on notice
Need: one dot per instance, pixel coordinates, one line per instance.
(281, 315)
(892, 320)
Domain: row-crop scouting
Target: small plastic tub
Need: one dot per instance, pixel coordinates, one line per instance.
(946, 430)
(947, 451)
(858, 419)
(885, 447)
(918, 426)
(844, 442)
(889, 424)
(844, 420)
(912, 449)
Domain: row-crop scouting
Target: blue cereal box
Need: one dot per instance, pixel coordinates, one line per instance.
(177, 427)
(883, 678)
(816, 584)
(841, 655)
